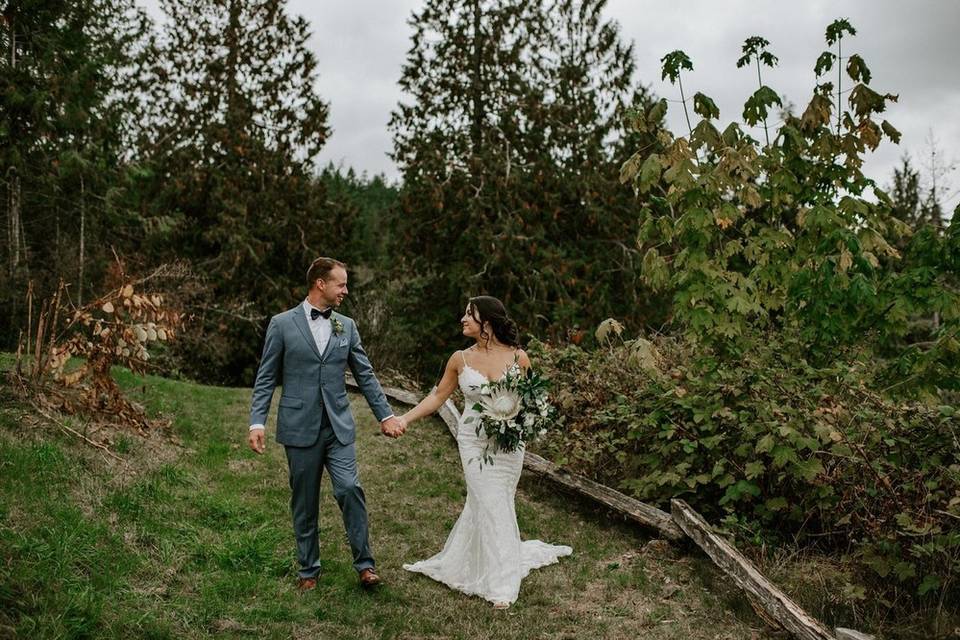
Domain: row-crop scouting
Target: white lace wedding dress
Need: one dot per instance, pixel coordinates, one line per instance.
(483, 555)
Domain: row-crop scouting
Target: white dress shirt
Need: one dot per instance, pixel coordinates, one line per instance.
(321, 328)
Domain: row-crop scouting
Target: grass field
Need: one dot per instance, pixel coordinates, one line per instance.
(190, 536)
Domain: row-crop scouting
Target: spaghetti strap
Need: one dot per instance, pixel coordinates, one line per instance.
(464, 358)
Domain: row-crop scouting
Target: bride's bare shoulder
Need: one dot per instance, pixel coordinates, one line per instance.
(523, 359)
(457, 360)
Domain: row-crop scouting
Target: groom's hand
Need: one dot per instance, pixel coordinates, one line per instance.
(256, 440)
(392, 427)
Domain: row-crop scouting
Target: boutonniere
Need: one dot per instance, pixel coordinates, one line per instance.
(337, 326)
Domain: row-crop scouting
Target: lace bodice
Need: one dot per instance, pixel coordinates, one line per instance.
(471, 380)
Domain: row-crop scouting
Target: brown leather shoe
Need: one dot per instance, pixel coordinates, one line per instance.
(369, 579)
(306, 584)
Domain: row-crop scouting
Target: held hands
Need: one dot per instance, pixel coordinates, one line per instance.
(393, 427)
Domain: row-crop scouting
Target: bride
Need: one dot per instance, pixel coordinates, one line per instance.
(483, 555)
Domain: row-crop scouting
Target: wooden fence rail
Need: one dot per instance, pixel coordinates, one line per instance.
(733, 563)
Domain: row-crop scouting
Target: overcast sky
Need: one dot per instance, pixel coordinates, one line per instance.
(911, 47)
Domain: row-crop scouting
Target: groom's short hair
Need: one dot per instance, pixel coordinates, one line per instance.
(320, 269)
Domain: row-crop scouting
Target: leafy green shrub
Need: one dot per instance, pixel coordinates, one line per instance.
(775, 447)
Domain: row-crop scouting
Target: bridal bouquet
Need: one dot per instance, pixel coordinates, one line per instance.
(512, 411)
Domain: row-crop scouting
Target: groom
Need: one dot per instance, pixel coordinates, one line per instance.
(307, 350)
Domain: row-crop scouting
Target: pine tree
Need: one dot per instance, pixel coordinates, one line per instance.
(510, 149)
(591, 74)
(915, 200)
(937, 170)
(235, 126)
(591, 87)
(905, 193)
(66, 74)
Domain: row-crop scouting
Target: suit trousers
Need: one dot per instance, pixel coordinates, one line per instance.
(306, 470)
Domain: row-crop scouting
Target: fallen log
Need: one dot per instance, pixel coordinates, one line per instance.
(450, 416)
(632, 508)
(773, 601)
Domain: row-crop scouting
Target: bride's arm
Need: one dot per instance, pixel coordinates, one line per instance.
(435, 399)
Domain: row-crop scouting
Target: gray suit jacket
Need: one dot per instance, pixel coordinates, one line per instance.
(312, 382)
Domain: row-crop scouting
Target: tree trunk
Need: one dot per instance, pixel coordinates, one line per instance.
(14, 232)
(13, 212)
(233, 46)
(83, 223)
(476, 130)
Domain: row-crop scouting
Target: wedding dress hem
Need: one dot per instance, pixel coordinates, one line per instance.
(551, 554)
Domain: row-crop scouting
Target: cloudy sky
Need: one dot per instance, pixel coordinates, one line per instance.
(910, 46)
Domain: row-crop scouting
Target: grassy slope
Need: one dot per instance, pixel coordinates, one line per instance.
(195, 540)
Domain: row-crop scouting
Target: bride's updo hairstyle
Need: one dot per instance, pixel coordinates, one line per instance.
(488, 309)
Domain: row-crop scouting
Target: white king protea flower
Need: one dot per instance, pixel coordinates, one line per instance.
(501, 405)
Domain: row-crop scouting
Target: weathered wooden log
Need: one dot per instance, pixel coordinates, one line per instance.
(776, 603)
(632, 508)
(850, 634)
(450, 416)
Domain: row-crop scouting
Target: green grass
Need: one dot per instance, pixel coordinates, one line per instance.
(190, 537)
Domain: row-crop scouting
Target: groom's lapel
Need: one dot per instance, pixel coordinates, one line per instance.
(300, 319)
(333, 336)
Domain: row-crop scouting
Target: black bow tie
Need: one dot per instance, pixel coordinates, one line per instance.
(316, 313)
